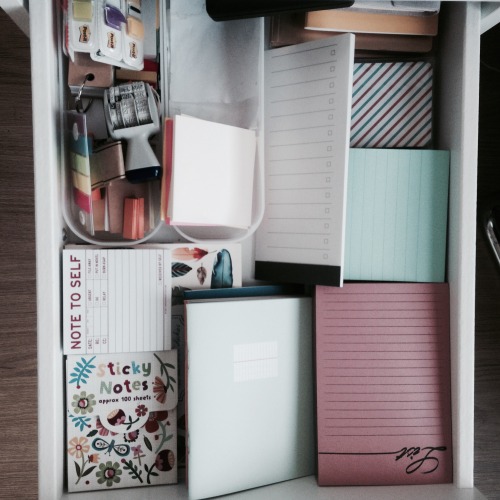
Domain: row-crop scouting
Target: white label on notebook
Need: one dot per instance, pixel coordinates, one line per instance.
(255, 361)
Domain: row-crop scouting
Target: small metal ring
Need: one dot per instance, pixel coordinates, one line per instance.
(78, 100)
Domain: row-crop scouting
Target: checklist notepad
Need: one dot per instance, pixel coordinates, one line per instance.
(397, 213)
(308, 91)
(383, 384)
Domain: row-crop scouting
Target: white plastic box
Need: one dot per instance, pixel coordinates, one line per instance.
(457, 125)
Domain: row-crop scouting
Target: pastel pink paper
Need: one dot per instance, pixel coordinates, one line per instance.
(383, 384)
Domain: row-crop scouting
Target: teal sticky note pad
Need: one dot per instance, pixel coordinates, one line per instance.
(397, 214)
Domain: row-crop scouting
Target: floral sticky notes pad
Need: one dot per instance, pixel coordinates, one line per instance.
(121, 420)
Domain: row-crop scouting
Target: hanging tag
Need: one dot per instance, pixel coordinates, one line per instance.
(96, 76)
(78, 175)
(79, 105)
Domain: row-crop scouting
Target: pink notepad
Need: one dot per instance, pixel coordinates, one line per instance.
(383, 388)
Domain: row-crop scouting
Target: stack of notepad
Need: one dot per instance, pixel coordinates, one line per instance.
(249, 393)
(125, 369)
(121, 424)
(397, 213)
(382, 347)
(377, 211)
(383, 384)
(380, 27)
(209, 173)
(392, 105)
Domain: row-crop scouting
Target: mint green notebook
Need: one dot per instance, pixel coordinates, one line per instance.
(397, 212)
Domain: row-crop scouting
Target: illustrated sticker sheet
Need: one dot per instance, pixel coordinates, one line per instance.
(197, 267)
(121, 420)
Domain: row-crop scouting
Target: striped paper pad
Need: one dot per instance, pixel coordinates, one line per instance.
(391, 105)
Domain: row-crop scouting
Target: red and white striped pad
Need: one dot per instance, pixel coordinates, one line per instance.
(391, 105)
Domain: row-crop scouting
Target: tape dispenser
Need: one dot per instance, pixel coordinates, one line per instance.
(131, 112)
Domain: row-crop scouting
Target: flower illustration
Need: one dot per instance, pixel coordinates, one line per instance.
(141, 410)
(116, 417)
(159, 390)
(138, 453)
(81, 371)
(155, 424)
(82, 403)
(165, 460)
(80, 422)
(131, 437)
(102, 430)
(152, 424)
(133, 469)
(78, 446)
(109, 473)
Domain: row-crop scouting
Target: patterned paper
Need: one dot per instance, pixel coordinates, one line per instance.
(392, 105)
(196, 267)
(121, 420)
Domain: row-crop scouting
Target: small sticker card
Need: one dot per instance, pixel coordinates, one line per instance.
(121, 420)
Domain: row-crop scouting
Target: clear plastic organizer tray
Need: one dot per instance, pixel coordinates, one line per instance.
(220, 84)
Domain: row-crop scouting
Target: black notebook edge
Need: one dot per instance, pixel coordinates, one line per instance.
(307, 274)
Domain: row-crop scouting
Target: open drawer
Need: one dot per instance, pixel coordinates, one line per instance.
(457, 122)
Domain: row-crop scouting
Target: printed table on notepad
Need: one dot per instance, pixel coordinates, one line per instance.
(96, 297)
(122, 305)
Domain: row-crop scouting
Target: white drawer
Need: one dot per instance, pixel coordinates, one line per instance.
(457, 99)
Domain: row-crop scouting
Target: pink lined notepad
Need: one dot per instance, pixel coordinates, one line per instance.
(383, 388)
